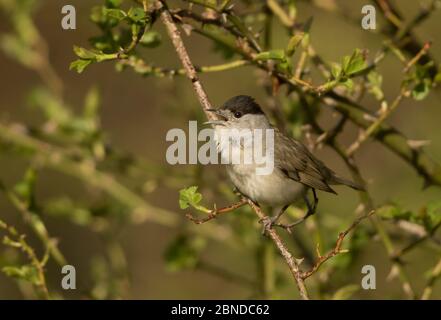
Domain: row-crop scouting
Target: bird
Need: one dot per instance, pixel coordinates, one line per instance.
(296, 170)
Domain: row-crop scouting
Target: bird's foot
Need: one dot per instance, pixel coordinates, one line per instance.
(268, 223)
(288, 227)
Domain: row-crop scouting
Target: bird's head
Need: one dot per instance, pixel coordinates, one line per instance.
(240, 112)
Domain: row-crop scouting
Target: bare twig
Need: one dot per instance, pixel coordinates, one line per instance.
(385, 113)
(215, 212)
(191, 72)
(337, 249)
(19, 241)
(434, 276)
(144, 68)
(367, 205)
(424, 50)
(389, 136)
(387, 110)
(54, 157)
(37, 225)
(291, 261)
(416, 242)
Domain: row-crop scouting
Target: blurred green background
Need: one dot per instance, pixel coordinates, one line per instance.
(137, 112)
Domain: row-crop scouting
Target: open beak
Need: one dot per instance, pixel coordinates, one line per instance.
(221, 118)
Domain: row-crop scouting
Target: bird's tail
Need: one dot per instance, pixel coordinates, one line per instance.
(346, 182)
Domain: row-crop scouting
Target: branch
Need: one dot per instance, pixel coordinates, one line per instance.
(37, 225)
(140, 66)
(175, 36)
(190, 70)
(215, 212)
(434, 276)
(385, 113)
(366, 201)
(15, 240)
(337, 249)
(290, 260)
(393, 139)
(56, 158)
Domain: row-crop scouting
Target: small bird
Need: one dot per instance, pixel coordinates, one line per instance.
(296, 169)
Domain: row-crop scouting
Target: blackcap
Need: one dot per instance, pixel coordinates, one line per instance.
(296, 170)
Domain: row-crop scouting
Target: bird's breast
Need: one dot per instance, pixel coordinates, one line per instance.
(273, 189)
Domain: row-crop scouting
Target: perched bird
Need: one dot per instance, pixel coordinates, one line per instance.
(296, 170)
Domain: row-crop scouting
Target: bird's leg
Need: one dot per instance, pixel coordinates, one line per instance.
(269, 223)
(311, 210)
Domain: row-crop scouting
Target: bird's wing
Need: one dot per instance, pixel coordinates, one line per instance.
(299, 164)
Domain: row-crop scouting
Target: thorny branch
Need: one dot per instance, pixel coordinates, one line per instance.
(246, 46)
(215, 212)
(203, 99)
(15, 240)
(337, 249)
(389, 136)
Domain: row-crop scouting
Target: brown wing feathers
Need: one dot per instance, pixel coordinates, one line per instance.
(297, 163)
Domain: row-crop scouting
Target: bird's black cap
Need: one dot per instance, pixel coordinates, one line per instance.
(243, 104)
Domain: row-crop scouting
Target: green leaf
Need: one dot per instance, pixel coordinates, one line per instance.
(189, 197)
(25, 189)
(336, 70)
(113, 3)
(65, 208)
(293, 44)
(183, 252)
(151, 39)
(434, 213)
(375, 81)
(79, 65)
(271, 55)
(348, 83)
(27, 272)
(84, 53)
(395, 212)
(388, 212)
(421, 89)
(354, 63)
(285, 67)
(116, 14)
(136, 14)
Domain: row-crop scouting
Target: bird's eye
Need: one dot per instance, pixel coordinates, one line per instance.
(238, 114)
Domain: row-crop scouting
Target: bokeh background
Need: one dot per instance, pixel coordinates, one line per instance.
(136, 114)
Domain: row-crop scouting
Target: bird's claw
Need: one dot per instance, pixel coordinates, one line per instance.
(268, 223)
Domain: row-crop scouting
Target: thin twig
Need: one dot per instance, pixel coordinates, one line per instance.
(19, 242)
(142, 67)
(294, 265)
(191, 72)
(424, 50)
(215, 212)
(54, 157)
(434, 276)
(337, 249)
(385, 113)
(36, 224)
(392, 138)
(413, 244)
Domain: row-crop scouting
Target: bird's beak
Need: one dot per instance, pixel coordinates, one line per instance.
(221, 118)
